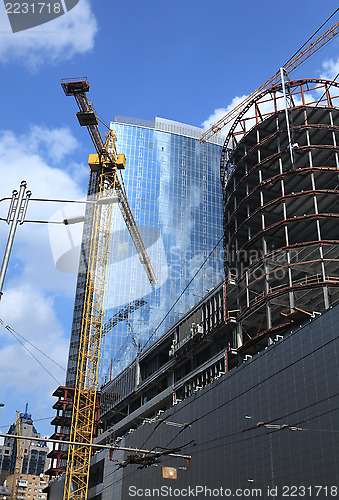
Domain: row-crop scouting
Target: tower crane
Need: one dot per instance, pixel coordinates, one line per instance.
(105, 164)
(291, 65)
(18, 460)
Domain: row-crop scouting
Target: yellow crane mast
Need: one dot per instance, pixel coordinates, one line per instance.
(18, 460)
(292, 64)
(106, 162)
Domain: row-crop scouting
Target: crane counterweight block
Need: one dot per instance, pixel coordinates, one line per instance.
(87, 118)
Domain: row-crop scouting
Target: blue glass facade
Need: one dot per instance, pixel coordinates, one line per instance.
(174, 190)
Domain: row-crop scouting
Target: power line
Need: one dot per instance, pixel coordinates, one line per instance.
(171, 452)
(244, 430)
(219, 382)
(36, 359)
(332, 82)
(300, 48)
(262, 424)
(34, 420)
(283, 427)
(252, 437)
(257, 436)
(296, 411)
(10, 329)
(126, 476)
(153, 431)
(258, 384)
(214, 385)
(232, 435)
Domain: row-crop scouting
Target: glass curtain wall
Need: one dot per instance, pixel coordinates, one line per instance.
(173, 186)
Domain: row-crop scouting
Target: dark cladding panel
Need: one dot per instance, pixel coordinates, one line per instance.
(294, 382)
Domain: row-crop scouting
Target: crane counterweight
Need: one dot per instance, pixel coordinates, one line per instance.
(87, 118)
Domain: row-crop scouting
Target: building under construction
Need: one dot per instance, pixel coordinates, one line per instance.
(281, 207)
(245, 383)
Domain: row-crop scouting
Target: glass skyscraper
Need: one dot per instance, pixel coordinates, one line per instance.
(174, 190)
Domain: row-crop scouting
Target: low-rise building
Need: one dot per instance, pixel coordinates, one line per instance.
(30, 487)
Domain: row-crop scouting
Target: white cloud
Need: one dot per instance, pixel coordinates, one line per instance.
(58, 142)
(219, 113)
(32, 315)
(58, 40)
(34, 157)
(22, 379)
(330, 69)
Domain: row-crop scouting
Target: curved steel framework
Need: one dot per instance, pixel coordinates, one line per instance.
(281, 220)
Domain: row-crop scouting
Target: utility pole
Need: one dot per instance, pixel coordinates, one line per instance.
(17, 210)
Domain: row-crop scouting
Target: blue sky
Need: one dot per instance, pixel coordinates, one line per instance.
(180, 60)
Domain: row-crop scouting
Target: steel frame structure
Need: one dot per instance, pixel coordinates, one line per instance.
(62, 422)
(280, 218)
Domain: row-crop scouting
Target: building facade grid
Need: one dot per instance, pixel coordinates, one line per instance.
(173, 186)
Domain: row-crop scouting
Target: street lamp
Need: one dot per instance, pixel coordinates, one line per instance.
(17, 208)
(17, 212)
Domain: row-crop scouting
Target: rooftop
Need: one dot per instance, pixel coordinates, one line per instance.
(171, 126)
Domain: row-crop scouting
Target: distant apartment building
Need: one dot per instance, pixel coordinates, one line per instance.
(35, 460)
(30, 487)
